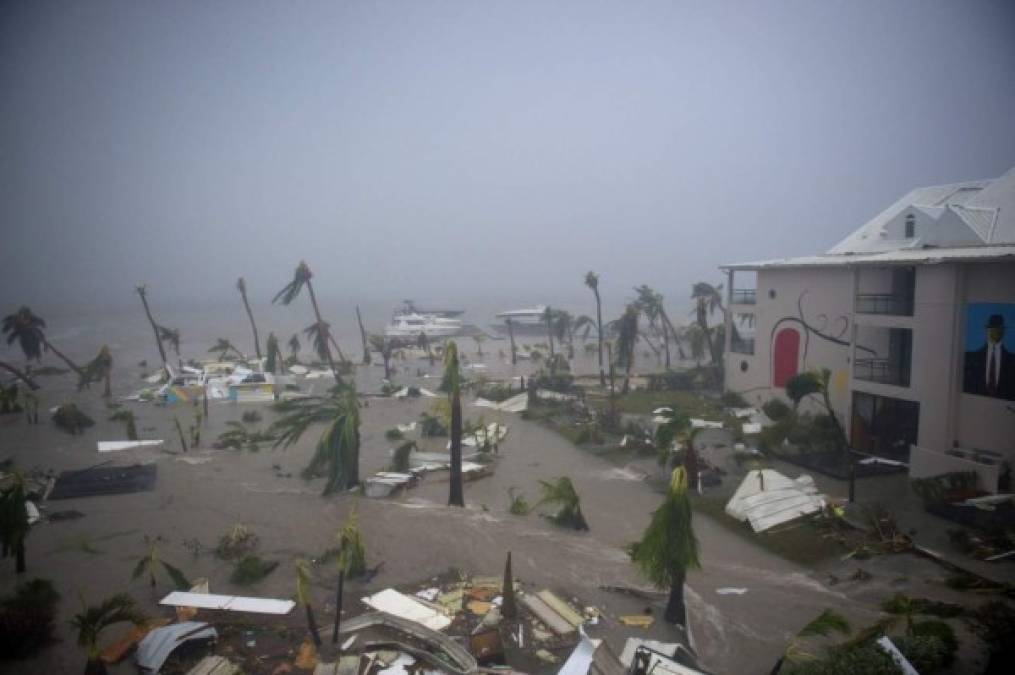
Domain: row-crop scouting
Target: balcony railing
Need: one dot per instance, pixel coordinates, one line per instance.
(744, 296)
(884, 303)
(882, 371)
(742, 345)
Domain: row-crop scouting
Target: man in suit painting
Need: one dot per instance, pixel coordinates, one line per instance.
(990, 370)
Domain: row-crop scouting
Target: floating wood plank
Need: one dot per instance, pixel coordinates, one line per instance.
(228, 603)
(562, 608)
(547, 615)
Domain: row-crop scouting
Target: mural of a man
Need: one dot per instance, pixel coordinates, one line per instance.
(990, 370)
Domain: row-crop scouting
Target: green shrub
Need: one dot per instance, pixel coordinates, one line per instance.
(927, 654)
(776, 409)
(393, 434)
(430, 425)
(250, 569)
(732, 399)
(994, 623)
(940, 631)
(251, 417)
(26, 619)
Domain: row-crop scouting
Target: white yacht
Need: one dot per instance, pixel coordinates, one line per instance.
(523, 321)
(411, 324)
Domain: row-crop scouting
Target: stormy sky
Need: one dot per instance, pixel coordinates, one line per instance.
(451, 151)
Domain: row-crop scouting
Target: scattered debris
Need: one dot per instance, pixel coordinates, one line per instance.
(70, 418)
(731, 591)
(767, 498)
(398, 604)
(637, 620)
(117, 446)
(103, 480)
(157, 645)
(516, 404)
(228, 603)
(215, 665)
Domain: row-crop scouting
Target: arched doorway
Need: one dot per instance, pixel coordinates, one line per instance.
(785, 356)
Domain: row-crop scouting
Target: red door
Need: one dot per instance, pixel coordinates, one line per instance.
(785, 356)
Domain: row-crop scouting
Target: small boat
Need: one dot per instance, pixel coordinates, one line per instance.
(523, 321)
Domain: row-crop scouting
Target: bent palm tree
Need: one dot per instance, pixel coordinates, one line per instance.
(562, 493)
(24, 377)
(143, 294)
(303, 596)
(548, 320)
(172, 336)
(363, 337)
(94, 619)
(386, 349)
(511, 335)
(707, 300)
(274, 360)
(150, 563)
(294, 348)
(14, 526)
(452, 376)
(592, 281)
(291, 291)
(29, 330)
(99, 369)
(241, 286)
(337, 452)
(668, 548)
(627, 341)
(812, 382)
(223, 347)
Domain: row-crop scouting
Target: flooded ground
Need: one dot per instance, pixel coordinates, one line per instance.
(198, 496)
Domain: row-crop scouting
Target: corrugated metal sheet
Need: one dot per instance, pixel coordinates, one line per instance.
(920, 256)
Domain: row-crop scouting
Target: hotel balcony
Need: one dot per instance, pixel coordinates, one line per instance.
(886, 290)
(883, 355)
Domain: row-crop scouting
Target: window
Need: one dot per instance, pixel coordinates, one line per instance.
(910, 226)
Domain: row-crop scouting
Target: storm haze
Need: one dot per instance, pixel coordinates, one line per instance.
(458, 151)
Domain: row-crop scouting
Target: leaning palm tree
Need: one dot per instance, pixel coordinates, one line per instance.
(274, 360)
(452, 376)
(99, 369)
(363, 337)
(561, 492)
(143, 294)
(14, 526)
(303, 596)
(129, 422)
(94, 619)
(511, 335)
(627, 341)
(423, 342)
(668, 548)
(294, 348)
(291, 291)
(151, 562)
(241, 286)
(707, 299)
(592, 281)
(223, 347)
(29, 330)
(655, 310)
(386, 348)
(563, 330)
(337, 452)
(172, 336)
(21, 375)
(816, 382)
(548, 320)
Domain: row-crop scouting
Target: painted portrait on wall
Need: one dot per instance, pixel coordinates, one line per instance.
(989, 367)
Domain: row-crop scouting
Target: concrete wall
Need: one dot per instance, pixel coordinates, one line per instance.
(826, 299)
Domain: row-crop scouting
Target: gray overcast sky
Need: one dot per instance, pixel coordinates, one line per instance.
(466, 149)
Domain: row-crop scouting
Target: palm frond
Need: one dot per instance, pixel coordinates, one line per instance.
(291, 291)
(825, 624)
(178, 578)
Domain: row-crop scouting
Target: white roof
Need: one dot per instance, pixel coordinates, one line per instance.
(919, 256)
(970, 220)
